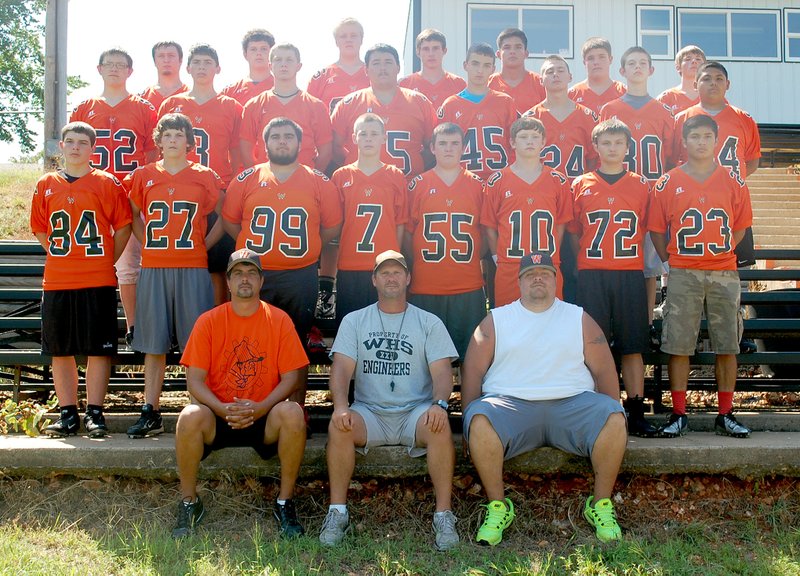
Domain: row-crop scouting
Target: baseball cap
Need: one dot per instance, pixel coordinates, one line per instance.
(243, 255)
(536, 260)
(387, 256)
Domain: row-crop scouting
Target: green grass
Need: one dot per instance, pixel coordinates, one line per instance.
(16, 189)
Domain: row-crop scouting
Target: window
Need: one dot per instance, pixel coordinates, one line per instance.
(655, 30)
(731, 34)
(548, 28)
(792, 35)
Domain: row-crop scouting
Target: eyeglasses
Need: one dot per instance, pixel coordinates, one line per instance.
(114, 65)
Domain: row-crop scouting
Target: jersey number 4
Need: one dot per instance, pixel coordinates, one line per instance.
(85, 234)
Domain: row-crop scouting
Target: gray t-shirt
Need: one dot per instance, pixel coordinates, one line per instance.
(392, 373)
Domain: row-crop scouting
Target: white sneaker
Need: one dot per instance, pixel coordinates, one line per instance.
(444, 527)
(334, 527)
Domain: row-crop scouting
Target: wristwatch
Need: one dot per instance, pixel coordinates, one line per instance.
(443, 404)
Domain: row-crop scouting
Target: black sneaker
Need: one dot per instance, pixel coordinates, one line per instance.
(655, 339)
(747, 346)
(326, 305)
(727, 425)
(95, 424)
(189, 516)
(148, 424)
(639, 426)
(286, 515)
(129, 338)
(67, 425)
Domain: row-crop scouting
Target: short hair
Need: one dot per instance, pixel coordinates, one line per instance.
(80, 128)
(168, 44)
(386, 49)
(554, 58)
(285, 46)
(481, 49)
(348, 22)
(699, 121)
(368, 117)
(611, 126)
(175, 121)
(711, 64)
(527, 123)
(203, 50)
(594, 43)
(686, 50)
(116, 52)
(280, 122)
(257, 35)
(512, 33)
(634, 50)
(430, 35)
(447, 128)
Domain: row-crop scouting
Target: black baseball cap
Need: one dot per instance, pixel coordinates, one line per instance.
(536, 260)
(244, 255)
(392, 255)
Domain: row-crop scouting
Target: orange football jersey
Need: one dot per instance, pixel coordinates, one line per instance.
(175, 209)
(281, 221)
(700, 217)
(245, 89)
(568, 144)
(331, 84)
(609, 220)
(216, 124)
(124, 132)
(526, 94)
(409, 119)
(652, 129)
(309, 113)
(373, 206)
(79, 219)
(676, 100)
(444, 224)
(486, 125)
(437, 93)
(581, 94)
(152, 95)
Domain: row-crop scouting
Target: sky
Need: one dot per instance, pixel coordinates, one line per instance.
(95, 25)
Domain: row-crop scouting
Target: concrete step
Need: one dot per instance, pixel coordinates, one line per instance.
(764, 453)
(791, 221)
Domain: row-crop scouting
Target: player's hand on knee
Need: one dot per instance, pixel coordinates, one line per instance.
(343, 420)
(436, 418)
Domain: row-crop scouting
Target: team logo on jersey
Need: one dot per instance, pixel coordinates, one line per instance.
(679, 190)
(579, 99)
(508, 194)
(367, 192)
(281, 196)
(91, 113)
(178, 109)
(170, 191)
(479, 116)
(611, 200)
(449, 203)
(432, 191)
(113, 119)
(263, 184)
(347, 184)
(149, 183)
(638, 125)
(48, 192)
(587, 192)
(198, 119)
(70, 199)
(458, 114)
(702, 199)
(562, 136)
(530, 201)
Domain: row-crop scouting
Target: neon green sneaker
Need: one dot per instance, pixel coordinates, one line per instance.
(603, 518)
(499, 515)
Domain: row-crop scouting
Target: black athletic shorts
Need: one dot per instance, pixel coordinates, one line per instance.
(354, 291)
(295, 292)
(80, 322)
(253, 436)
(219, 253)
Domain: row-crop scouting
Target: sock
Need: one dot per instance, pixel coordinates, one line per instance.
(280, 502)
(725, 400)
(678, 402)
(326, 283)
(94, 408)
(67, 411)
(341, 508)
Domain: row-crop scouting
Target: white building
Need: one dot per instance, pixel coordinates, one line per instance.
(758, 41)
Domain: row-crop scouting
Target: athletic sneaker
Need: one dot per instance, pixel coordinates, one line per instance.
(286, 515)
(189, 516)
(499, 515)
(726, 425)
(677, 425)
(603, 518)
(639, 426)
(67, 425)
(316, 342)
(444, 527)
(148, 424)
(655, 338)
(747, 346)
(326, 305)
(95, 423)
(334, 527)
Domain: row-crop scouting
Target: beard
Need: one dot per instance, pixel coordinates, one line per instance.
(282, 158)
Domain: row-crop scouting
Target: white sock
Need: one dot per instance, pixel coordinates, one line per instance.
(281, 502)
(341, 508)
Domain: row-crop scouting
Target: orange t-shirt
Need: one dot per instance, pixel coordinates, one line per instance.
(216, 125)
(437, 93)
(124, 132)
(486, 125)
(409, 119)
(79, 220)
(373, 206)
(281, 221)
(610, 221)
(152, 95)
(526, 94)
(245, 89)
(652, 129)
(700, 217)
(331, 84)
(445, 229)
(738, 141)
(244, 356)
(676, 100)
(308, 112)
(568, 144)
(581, 94)
(175, 209)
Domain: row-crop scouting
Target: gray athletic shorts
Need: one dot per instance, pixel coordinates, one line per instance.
(168, 302)
(391, 429)
(653, 266)
(569, 424)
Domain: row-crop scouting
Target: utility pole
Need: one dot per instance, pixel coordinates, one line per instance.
(55, 78)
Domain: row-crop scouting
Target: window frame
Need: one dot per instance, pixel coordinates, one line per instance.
(670, 34)
(787, 54)
(728, 12)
